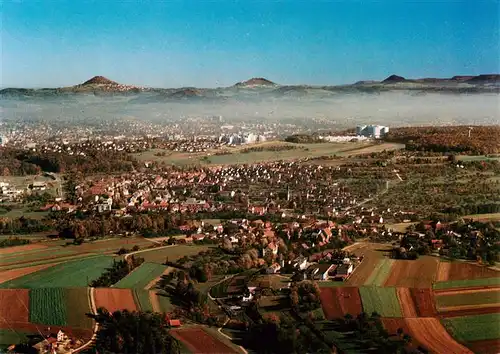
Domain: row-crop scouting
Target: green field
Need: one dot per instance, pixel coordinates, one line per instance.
(236, 156)
(48, 306)
(78, 305)
(76, 273)
(165, 304)
(9, 337)
(466, 283)
(142, 300)
(380, 273)
(141, 276)
(384, 301)
(172, 253)
(41, 254)
(473, 298)
(472, 328)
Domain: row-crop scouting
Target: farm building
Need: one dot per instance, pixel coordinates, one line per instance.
(320, 271)
(343, 271)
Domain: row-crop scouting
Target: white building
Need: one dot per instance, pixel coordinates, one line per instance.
(372, 131)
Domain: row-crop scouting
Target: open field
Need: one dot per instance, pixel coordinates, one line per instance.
(424, 302)
(237, 155)
(115, 299)
(393, 324)
(48, 306)
(9, 337)
(372, 252)
(380, 272)
(384, 301)
(163, 301)
(14, 306)
(399, 227)
(70, 274)
(491, 346)
(197, 340)
(172, 253)
(465, 298)
(7, 275)
(16, 249)
(418, 273)
(78, 305)
(433, 336)
(141, 276)
(468, 283)
(337, 302)
(473, 328)
(142, 300)
(463, 271)
(483, 217)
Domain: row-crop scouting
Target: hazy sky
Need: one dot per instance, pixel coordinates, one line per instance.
(217, 43)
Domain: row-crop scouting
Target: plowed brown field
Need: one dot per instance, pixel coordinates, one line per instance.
(199, 341)
(433, 336)
(115, 299)
(17, 273)
(372, 253)
(419, 273)
(337, 302)
(463, 271)
(393, 324)
(155, 303)
(14, 306)
(406, 302)
(491, 346)
(424, 302)
(22, 248)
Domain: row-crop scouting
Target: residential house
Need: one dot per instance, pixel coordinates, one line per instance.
(320, 271)
(343, 271)
(274, 268)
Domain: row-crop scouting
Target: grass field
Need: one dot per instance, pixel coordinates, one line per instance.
(466, 283)
(9, 337)
(236, 156)
(78, 305)
(380, 273)
(142, 300)
(469, 298)
(141, 276)
(172, 253)
(165, 304)
(48, 306)
(384, 301)
(70, 274)
(484, 217)
(473, 328)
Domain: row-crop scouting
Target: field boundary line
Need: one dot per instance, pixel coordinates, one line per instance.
(147, 250)
(445, 309)
(228, 337)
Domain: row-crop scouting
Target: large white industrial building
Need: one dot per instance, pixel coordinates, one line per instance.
(372, 131)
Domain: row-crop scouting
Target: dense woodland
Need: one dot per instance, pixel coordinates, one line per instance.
(124, 332)
(482, 140)
(16, 162)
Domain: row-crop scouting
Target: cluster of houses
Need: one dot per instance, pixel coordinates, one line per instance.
(53, 343)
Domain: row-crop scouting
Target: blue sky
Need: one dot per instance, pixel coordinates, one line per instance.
(217, 43)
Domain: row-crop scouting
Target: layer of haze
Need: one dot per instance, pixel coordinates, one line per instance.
(343, 110)
(51, 43)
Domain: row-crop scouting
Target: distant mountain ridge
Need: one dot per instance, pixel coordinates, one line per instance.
(260, 88)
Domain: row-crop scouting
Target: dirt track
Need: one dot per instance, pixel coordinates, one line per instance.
(406, 302)
(434, 336)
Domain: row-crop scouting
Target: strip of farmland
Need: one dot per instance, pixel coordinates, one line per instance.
(488, 282)
(380, 273)
(463, 271)
(171, 253)
(419, 273)
(49, 261)
(7, 275)
(424, 302)
(20, 249)
(199, 341)
(491, 346)
(115, 299)
(478, 297)
(48, 306)
(140, 277)
(473, 328)
(406, 302)
(70, 274)
(14, 306)
(363, 271)
(142, 299)
(384, 301)
(433, 336)
(78, 305)
(337, 302)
